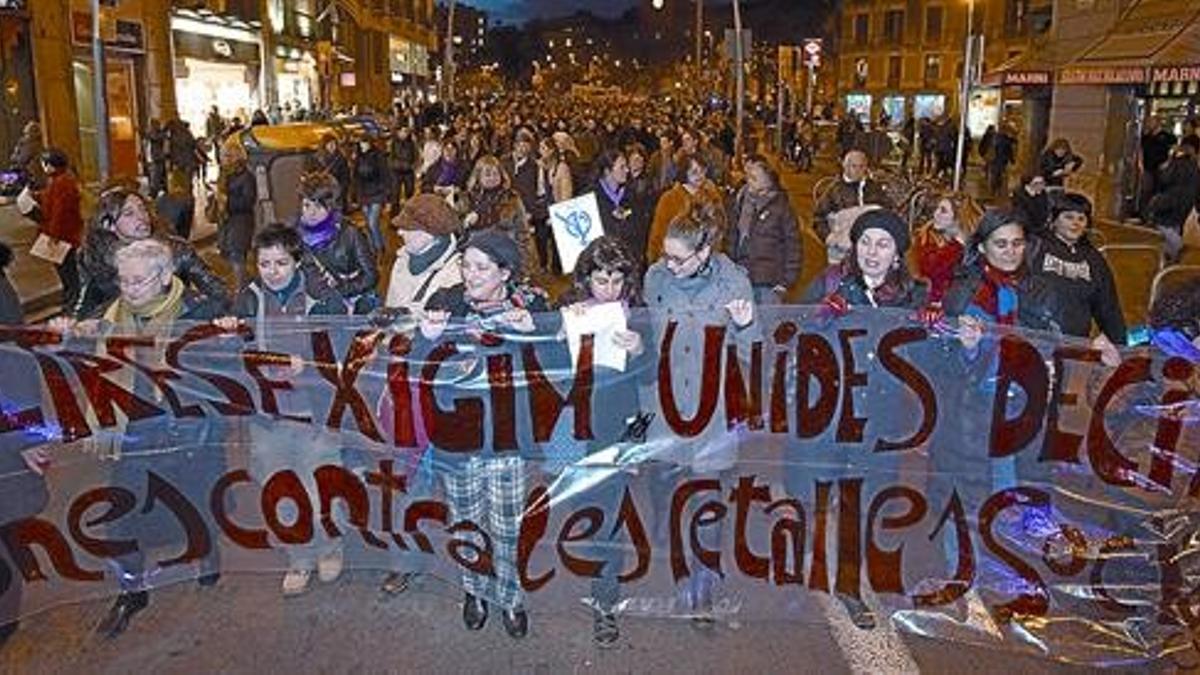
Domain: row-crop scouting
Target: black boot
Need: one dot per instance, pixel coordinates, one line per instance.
(860, 615)
(604, 628)
(516, 623)
(122, 611)
(475, 612)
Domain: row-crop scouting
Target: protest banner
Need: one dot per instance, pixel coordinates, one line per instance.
(864, 457)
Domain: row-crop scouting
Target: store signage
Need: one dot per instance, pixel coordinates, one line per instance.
(121, 34)
(1030, 77)
(1175, 74)
(1114, 75)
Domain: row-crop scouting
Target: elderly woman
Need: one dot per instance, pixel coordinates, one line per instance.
(494, 205)
(875, 273)
(765, 238)
(338, 251)
(122, 216)
(939, 243)
(695, 282)
(485, 487)
(152, 300)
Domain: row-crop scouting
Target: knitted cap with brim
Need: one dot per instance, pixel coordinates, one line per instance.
(500, 248)
(429, 213)
(882, 219)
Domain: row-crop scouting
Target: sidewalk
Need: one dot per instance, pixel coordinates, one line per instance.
(36, 281)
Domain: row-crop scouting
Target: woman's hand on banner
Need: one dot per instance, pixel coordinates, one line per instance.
(629, 341)
(741, 311)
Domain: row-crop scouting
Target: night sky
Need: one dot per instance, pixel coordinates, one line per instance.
(519, 11)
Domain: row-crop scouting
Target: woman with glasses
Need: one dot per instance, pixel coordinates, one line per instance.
(694, 284)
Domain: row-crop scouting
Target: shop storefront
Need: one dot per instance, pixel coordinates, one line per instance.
(409, 63)
(217, 63)
(859, 105)
(296, 78)
(125, 48)
(893, 107)
(929, 106)
(16, 72)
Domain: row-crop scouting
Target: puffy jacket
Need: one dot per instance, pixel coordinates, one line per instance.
(98, 277)
(771, 251)
(1081, 279)
(1178, 192)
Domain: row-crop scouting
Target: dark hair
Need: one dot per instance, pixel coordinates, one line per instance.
(609, 254)
(992, 220)
(322, 188)
(55, 159)
(6, 256)
(282, 236)
(635, 148)
(112, 200)
(607, 160)
(1063, 202)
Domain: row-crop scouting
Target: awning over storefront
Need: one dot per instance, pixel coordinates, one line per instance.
(1031, 68)
(1153, 41)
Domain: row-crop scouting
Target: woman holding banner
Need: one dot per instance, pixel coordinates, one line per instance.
(176, 450)
(485, 488)
(276, 302)
(876, 274)
(605, 273)
(692, 282)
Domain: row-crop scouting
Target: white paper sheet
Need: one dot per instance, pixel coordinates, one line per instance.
(603, 321)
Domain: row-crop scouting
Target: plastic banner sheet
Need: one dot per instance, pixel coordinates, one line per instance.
(1018, 492)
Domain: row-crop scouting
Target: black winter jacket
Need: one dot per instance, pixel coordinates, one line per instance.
(1082, 283)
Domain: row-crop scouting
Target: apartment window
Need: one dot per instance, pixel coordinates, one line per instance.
(1016, 14)
(895, 70)
(893, 26)
(862, 29)
(933, 67)
(933, 24)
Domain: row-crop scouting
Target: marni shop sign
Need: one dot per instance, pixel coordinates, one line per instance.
(1175, 73)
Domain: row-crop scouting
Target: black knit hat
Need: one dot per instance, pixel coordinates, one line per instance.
(1063, 202)
(500, 248)
(885, 220)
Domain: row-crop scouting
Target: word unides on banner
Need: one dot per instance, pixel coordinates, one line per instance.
(844, 529)
(773, 394)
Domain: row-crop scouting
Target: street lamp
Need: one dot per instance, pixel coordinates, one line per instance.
(964, 97)
(657, 4)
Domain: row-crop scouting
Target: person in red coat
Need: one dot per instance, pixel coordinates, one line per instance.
(61, 216)
(939, 243)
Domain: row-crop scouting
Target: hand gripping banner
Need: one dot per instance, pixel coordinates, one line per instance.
(1018, 492)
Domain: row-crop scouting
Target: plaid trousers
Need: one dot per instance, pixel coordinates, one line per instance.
(491, 494)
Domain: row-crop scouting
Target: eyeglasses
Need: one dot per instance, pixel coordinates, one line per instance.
(673, 261)
(126, 283)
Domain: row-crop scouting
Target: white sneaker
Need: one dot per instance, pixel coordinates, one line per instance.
(329, 566)
(296, 581)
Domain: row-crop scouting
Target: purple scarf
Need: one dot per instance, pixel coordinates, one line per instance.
(318, 235)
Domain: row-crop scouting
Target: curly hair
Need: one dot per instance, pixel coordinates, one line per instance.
(474, 184)
(608, 254)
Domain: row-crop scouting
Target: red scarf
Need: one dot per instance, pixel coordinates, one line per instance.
(987, 297)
